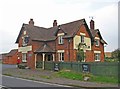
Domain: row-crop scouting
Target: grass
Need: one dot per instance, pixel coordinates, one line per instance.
(80, 76)
(104, 79)
(45, 77)
(7, 74)
(69, 75)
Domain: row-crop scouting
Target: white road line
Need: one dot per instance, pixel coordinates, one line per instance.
(38, 81)
(2, 86)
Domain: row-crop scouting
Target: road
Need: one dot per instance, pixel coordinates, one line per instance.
(16, 83)
(19, 82)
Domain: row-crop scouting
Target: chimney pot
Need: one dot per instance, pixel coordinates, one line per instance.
(54, 23)
(92, 24)
(31, 22)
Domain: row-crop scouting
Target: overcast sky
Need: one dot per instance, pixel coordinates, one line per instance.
(16, 12)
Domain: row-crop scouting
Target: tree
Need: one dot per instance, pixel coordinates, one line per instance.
(116, 54)
(80, 52)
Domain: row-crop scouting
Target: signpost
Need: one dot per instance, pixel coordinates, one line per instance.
(56, 67)
(86, 68)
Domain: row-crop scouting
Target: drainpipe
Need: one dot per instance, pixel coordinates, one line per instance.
(69, 48)
(43, 67)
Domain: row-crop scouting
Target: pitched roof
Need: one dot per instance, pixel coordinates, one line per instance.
(46, 34)
(44, 49)
(72, 27)
(2, 56)
(96, 31)
(12, 52)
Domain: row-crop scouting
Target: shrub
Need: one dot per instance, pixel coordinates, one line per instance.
(22, 66)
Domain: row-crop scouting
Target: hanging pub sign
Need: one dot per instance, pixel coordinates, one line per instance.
(86, 67)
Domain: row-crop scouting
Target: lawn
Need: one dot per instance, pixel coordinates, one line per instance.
(80, 76)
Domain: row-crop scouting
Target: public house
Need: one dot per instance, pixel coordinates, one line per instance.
(59, 42)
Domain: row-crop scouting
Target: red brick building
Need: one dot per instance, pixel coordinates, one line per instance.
(108, 54)
(59, 43)
(11, 57)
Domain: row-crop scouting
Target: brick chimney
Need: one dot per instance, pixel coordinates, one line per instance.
(31, 22)
(92, 24)
(55, 23)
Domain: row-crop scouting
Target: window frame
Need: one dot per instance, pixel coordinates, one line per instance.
(24, 57)
(97, 57)
(82, 38)
(97, 42)
(60, 40)
(24, 39)
(61, 56)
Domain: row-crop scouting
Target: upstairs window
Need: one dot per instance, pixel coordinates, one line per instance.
(97, 42)
(25, 40)
(60, 40)
(82, 38)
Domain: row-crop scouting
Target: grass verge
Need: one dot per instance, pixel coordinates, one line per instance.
(7, 74)
(80, 76)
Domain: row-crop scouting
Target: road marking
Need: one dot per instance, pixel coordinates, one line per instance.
(37, 81)
(2, 86)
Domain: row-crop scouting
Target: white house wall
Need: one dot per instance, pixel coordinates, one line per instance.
(77, 40)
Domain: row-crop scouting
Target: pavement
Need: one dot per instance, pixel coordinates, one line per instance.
(49, 77)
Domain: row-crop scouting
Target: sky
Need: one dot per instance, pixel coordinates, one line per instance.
(16, 12)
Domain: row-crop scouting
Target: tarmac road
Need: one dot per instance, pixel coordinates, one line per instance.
(16, 83)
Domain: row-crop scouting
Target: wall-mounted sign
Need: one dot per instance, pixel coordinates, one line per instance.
(86, 67)
(25, 49)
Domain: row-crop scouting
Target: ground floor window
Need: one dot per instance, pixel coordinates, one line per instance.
(49, 57)
(97, 56)
(61, 56)
(24, 57)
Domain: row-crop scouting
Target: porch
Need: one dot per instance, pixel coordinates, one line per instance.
(45, 53)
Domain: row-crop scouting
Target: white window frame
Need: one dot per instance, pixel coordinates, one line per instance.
(97, 42)
(97, 56)
(24, 57)
(60, 40)
(61, 56)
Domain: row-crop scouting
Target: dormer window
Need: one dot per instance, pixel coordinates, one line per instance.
(60, 40)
